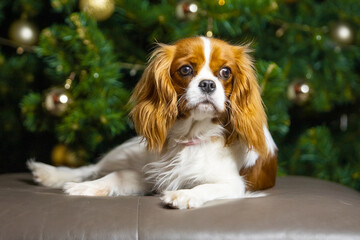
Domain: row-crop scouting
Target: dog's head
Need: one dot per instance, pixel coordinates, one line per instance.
(200, 78)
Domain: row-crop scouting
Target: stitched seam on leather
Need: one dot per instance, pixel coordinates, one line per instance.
(138, 218)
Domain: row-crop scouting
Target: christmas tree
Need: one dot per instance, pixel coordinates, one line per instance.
(67, 68)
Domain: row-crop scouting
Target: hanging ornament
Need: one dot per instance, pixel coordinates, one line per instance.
(187, 10)
(298, 92)
(210, 27)
(221, 2)
(56, 101)
(23, 32)
(61, 155)
(342, 33)
(98, 9)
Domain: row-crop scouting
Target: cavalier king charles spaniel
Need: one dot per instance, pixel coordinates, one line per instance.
(202, 129)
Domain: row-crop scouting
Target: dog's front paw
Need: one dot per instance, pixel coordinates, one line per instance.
(181, 199)
(90, 188)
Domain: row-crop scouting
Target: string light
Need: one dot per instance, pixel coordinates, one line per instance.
(69, 80)
(193, 8)
(210, 27)
(209, 34)
(68, 83)
(304, 88)
(63, 98)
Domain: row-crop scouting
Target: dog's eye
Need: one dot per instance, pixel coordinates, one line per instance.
(185, 70)
(225, 73)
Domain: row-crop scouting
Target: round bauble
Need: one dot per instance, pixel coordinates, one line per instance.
(56, 101)
(61, 155)
(24, 32)
(298, 92)
(342, 33)
(186, 10)
(98, 9)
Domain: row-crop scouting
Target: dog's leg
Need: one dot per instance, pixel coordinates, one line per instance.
(197, 196)
(130, 155)
(120, 183)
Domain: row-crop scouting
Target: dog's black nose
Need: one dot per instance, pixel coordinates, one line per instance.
(207, 86)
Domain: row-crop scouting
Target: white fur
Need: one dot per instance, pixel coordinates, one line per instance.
(187, 176)
(269, 141)
(252, 156)
(194, 95)
(119, 183)
(56, 177)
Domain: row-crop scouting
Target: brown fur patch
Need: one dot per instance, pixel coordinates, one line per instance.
(262, 175)
(190, 52)
(222, 56)
(246, 111)
(155, 99)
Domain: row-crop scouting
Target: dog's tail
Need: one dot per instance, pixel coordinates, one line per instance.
(56, 177)
(254, 194)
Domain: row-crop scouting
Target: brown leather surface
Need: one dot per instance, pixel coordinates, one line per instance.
(297, 208)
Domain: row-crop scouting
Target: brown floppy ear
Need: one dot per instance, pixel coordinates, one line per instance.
(155, 100)
(247, 115)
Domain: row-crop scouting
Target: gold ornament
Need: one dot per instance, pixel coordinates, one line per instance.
(98, 9)
(61, 155)
(342, 33)
(187, 10)
(23, 32)
(56, 101)
(299, 92)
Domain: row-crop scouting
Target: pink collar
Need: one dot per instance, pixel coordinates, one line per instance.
(191, 142)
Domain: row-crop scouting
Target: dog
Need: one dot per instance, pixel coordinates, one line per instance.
(202, 132)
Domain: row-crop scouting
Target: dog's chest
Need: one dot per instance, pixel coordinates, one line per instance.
(188, 166)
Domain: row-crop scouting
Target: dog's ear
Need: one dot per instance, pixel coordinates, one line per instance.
(155, 100)
(247, 115)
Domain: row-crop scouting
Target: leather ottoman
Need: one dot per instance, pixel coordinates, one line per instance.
(297, 208)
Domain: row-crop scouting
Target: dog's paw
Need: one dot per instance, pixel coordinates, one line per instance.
(90, 188)
(181, 199)
(44, 174)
